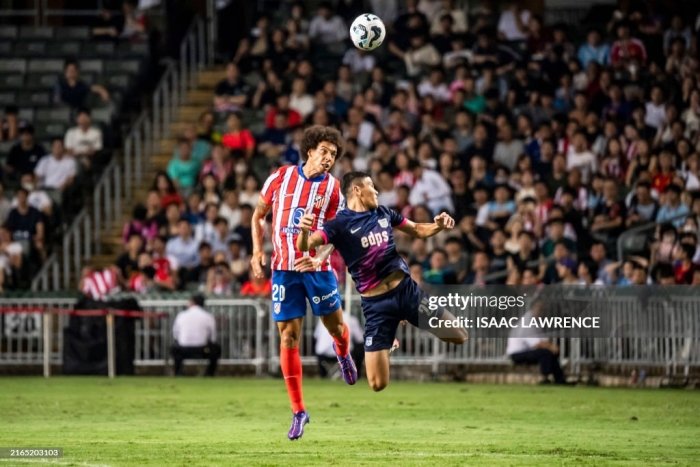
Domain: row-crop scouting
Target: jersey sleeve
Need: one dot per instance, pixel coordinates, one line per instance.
(396, 219)
(271, 186)
(330, 231)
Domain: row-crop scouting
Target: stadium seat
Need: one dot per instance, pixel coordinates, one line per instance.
(129, 49)
(38, 32)
(47, 131)
(92, 66)
(122, 66)
(98, 49)
(121, 82)
(13, 66)
(54, 114)
(8, 32)
(29, 49)
(35, 99)
(82, 33)
(103, 115)
(12, 81)
(5, 147)
(42, 81)
(26, 114)
(7, 98)
(5, 48)
(64, 49)
(46, 66)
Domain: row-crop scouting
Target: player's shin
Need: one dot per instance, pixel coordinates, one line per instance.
(290, 362)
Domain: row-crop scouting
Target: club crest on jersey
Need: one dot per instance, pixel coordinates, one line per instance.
(318, 201)
(383, 223)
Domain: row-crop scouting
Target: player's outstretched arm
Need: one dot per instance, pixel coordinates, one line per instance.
(257, 260)
(442, 221)
(306, 242)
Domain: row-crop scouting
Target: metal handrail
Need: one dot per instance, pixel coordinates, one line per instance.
(119, 179)
(639, 229)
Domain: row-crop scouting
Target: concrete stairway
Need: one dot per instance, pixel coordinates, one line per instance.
(197, 101)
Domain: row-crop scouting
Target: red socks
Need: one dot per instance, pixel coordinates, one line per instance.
(291, 369)
(342, 345)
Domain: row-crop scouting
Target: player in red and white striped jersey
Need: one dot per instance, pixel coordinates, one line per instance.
(291, 192)
(98, 284)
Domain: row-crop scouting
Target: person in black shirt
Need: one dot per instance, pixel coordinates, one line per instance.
(26, 224)
(128, 262)
(24, 155)
(231, 94)
(244, 229)
(73, 91)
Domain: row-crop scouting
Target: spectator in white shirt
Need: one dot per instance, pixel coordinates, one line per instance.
(84, 140)
(230, 209)
(579, 156)
(359, 61)
(299, 99)
(435, 86)
(655, 115)
(527, 346)
(512, 24)
(326, 28)
(430, 189)
(185, 250)
(38, 199)
(56, 170)
(194, 333)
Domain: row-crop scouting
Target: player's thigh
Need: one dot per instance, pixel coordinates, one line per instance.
(381, 322)
(322, 291)
(288, 296)
(377, 369)
(421, 314)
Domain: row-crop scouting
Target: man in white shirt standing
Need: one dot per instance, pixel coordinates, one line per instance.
(194, 335)
(83, 141)
(526, 346)
(56, 172)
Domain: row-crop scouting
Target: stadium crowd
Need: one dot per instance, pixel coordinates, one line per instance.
(50, 166)
(544, 141)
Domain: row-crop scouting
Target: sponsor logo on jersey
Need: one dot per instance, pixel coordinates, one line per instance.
(375, 238)
(316, 299)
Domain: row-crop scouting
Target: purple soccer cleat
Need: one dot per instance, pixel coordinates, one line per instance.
(347, 367)
(296, 431)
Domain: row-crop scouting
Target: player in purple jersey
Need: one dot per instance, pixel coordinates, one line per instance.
(363, 235)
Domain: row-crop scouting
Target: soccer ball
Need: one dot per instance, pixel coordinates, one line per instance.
(367, 32)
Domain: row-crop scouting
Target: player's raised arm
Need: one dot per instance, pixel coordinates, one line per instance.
(257, 260)
(443, 221)
(306, 242)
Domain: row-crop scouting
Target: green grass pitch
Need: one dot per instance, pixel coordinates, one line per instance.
(231, 421)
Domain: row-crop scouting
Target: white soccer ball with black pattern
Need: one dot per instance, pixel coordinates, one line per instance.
(367, 32)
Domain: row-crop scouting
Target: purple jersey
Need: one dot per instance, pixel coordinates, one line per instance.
(365, 240)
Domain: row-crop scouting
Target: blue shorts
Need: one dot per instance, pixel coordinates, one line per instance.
(383, 313)
(290, 289)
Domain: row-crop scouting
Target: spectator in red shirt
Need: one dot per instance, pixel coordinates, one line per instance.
(683, 269)
(663, 172)
(237, 137)
(166, 189)
(293, 117)
(627, 50)
(258, 287)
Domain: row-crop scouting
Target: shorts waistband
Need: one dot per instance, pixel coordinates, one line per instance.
(402, 285)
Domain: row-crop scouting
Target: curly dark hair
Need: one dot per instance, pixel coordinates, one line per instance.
(317, 133)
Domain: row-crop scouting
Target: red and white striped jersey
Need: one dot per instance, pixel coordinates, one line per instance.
(99, 284)
(291, 195)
